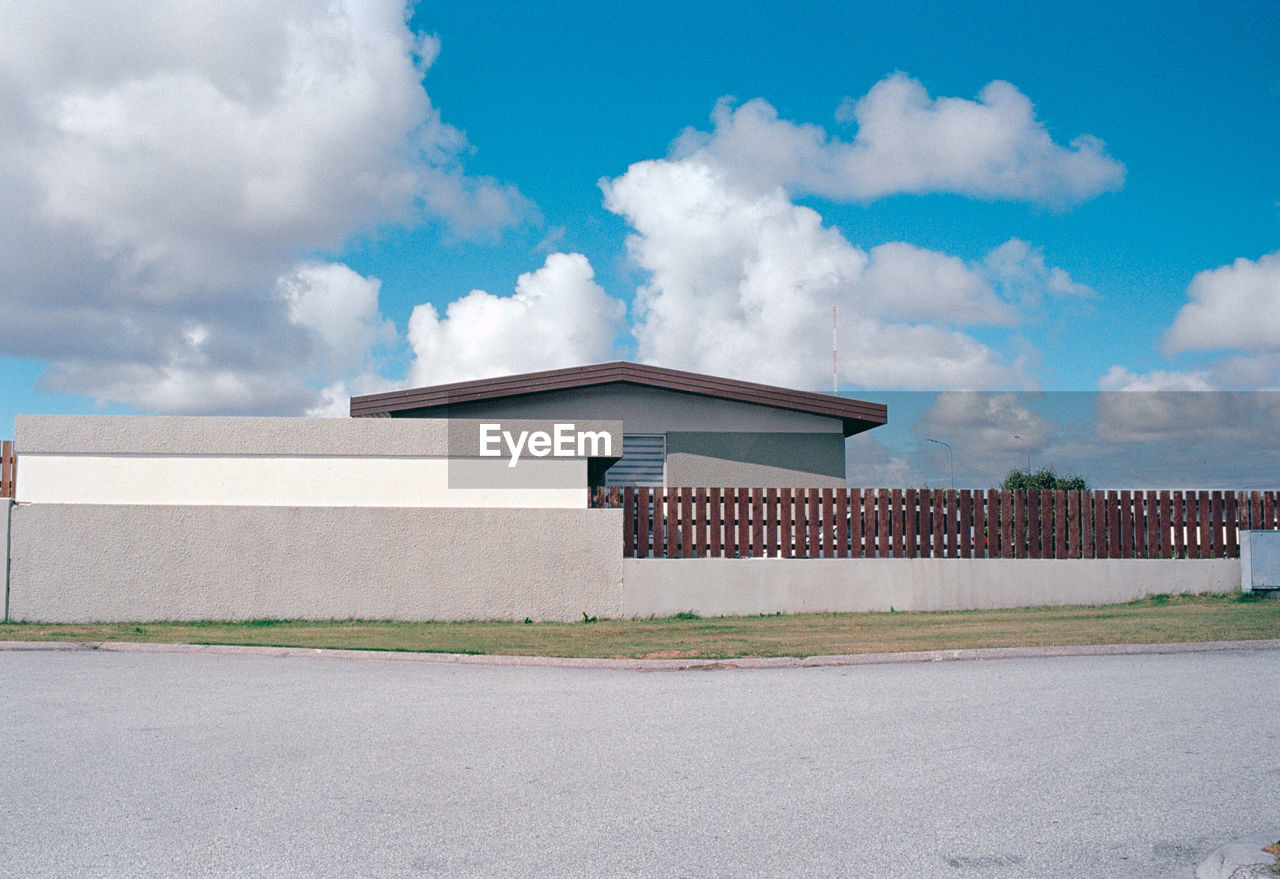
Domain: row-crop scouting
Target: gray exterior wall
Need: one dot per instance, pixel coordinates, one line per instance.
(743, 587)
(710, 442)
(750, 460)
(83, 562)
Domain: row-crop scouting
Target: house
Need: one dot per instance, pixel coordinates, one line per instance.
(679, 428)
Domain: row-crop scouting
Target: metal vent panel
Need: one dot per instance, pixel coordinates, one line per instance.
(643, 461)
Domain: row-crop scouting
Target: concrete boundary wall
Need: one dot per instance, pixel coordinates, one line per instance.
(734, 587)
(94, 562)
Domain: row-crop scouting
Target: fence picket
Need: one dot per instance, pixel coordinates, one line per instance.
(1165, 532)
(883, 549)
(896, 523)
(1073, 524)
(771, 522)
(785, 528)
(1216, 542)
(842, 523)
(1230, 514)
(1033, 524)
(1151, 533)
(982, 502)
(8, 469)
(855, 524)
(800, 520)
(813, 523)
(869, 530)
(911, 523)
(1047, 545)
(1008, 514)
(629, 522)
(1124, 515)
(1204, 516)
(1191, 515)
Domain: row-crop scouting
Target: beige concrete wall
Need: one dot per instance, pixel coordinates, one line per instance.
(366, 462)
(729, 587)
(83, 562)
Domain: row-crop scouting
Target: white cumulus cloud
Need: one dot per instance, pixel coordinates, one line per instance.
(741, 282)
(908, 142)
(166, 170)
(558, 317)
(1232, 321)
(1235, 306)
(341, 308)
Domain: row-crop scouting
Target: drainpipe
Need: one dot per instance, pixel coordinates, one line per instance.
(8, 548)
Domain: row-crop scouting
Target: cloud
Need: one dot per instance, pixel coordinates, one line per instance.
(870, 463)
(919, 284)
(1020, 271)
(1233, 307)
(1232, 311)
(341, 309)
(1166, 439)
(166, 171)
(1119, 378)
(741, 283)
(907, 142)
(990, 433)
(558, 317)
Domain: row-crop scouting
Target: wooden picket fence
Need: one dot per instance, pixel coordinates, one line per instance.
(8, 468)
(935, 523)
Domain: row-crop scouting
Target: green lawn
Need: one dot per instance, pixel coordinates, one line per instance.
(1153, 620)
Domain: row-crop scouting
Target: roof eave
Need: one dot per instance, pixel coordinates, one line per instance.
(856, 416)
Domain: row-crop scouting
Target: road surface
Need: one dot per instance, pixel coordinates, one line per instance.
(119, 764)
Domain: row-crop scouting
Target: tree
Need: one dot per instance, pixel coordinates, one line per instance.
(1045, 478)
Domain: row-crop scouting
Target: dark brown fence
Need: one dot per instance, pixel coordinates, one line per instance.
(935, 523)
(8, 468)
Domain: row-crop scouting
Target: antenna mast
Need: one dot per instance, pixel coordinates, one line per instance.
(835, 358)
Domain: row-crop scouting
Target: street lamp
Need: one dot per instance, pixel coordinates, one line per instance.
(951, 459)
(1028, 443)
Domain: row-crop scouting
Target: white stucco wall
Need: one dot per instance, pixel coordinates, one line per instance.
(236, 480)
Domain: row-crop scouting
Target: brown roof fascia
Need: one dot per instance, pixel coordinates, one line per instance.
(857, 415)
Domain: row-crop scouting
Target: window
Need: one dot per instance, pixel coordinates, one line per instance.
(643, 461)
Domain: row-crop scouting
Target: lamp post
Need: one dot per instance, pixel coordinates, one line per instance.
(951, 459)
(1028, 444)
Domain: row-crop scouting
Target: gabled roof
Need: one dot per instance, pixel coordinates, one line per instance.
(856, 415)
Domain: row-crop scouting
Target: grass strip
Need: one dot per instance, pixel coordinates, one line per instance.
(1153, 620)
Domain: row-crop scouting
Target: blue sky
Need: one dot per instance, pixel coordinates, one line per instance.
(240, 210)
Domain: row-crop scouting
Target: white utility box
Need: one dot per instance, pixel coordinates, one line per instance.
(1259, 560)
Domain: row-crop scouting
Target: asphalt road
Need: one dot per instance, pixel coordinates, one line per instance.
(120, 764)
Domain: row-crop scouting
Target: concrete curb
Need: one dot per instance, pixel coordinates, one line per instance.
(1242, 859)
(652, 664)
